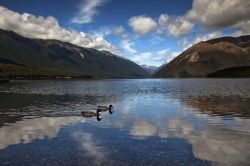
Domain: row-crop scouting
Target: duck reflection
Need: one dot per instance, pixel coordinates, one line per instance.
(90, 114)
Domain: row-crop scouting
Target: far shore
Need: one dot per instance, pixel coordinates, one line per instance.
(107, 78)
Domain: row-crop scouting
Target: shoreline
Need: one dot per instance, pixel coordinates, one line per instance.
(111, 78)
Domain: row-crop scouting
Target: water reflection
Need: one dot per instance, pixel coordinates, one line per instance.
(28, 130)
(92, 148)
(223, 146)
(143, 129)
(50, 105)
(156, 122)
(223, 106)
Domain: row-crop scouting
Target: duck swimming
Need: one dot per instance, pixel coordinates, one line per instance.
(105, 108)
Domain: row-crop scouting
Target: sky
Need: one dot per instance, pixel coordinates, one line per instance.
(148, 32)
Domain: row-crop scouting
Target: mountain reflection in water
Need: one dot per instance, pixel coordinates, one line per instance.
(178, 122)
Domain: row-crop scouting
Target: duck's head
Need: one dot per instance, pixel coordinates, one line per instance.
(111, 112)
(111, 107)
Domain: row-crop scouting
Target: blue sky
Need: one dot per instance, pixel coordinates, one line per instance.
(150, 32)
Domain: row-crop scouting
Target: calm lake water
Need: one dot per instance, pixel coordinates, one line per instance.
(155, 122)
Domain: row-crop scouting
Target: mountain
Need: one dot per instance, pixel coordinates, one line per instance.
(160, 67)
(208, 57)
(25, 57)
(149, 69)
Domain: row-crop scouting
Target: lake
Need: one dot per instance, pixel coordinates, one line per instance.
(155, 122)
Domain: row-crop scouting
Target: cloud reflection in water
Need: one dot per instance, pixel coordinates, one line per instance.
(28, 130)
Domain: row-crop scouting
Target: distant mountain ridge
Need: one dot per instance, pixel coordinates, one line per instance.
(208, 57)
(150, 69)
(37, 57)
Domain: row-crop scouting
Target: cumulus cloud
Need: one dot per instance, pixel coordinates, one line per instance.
(244, 27)
(213, 14)
(142, 25)
(219, 14)
(32, 26)
(87, 11)
(176, 26)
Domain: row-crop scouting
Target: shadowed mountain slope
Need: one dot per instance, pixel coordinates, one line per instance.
(20, 56)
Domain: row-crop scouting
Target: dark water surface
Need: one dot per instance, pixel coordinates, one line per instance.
(156, 122)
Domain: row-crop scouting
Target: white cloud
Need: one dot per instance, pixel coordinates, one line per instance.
(176, 26)
(142, 25)
(162, 52)
(211, 13)
(219, 13)
(101, 32)
(244, 27)
(32, 26)
(120, 32)
(156, 58)
(157, 40)
(216, 14)
(140, 58)
(88, 9)
(128, 46)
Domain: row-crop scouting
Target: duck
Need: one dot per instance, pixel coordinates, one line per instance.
(105, 108)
